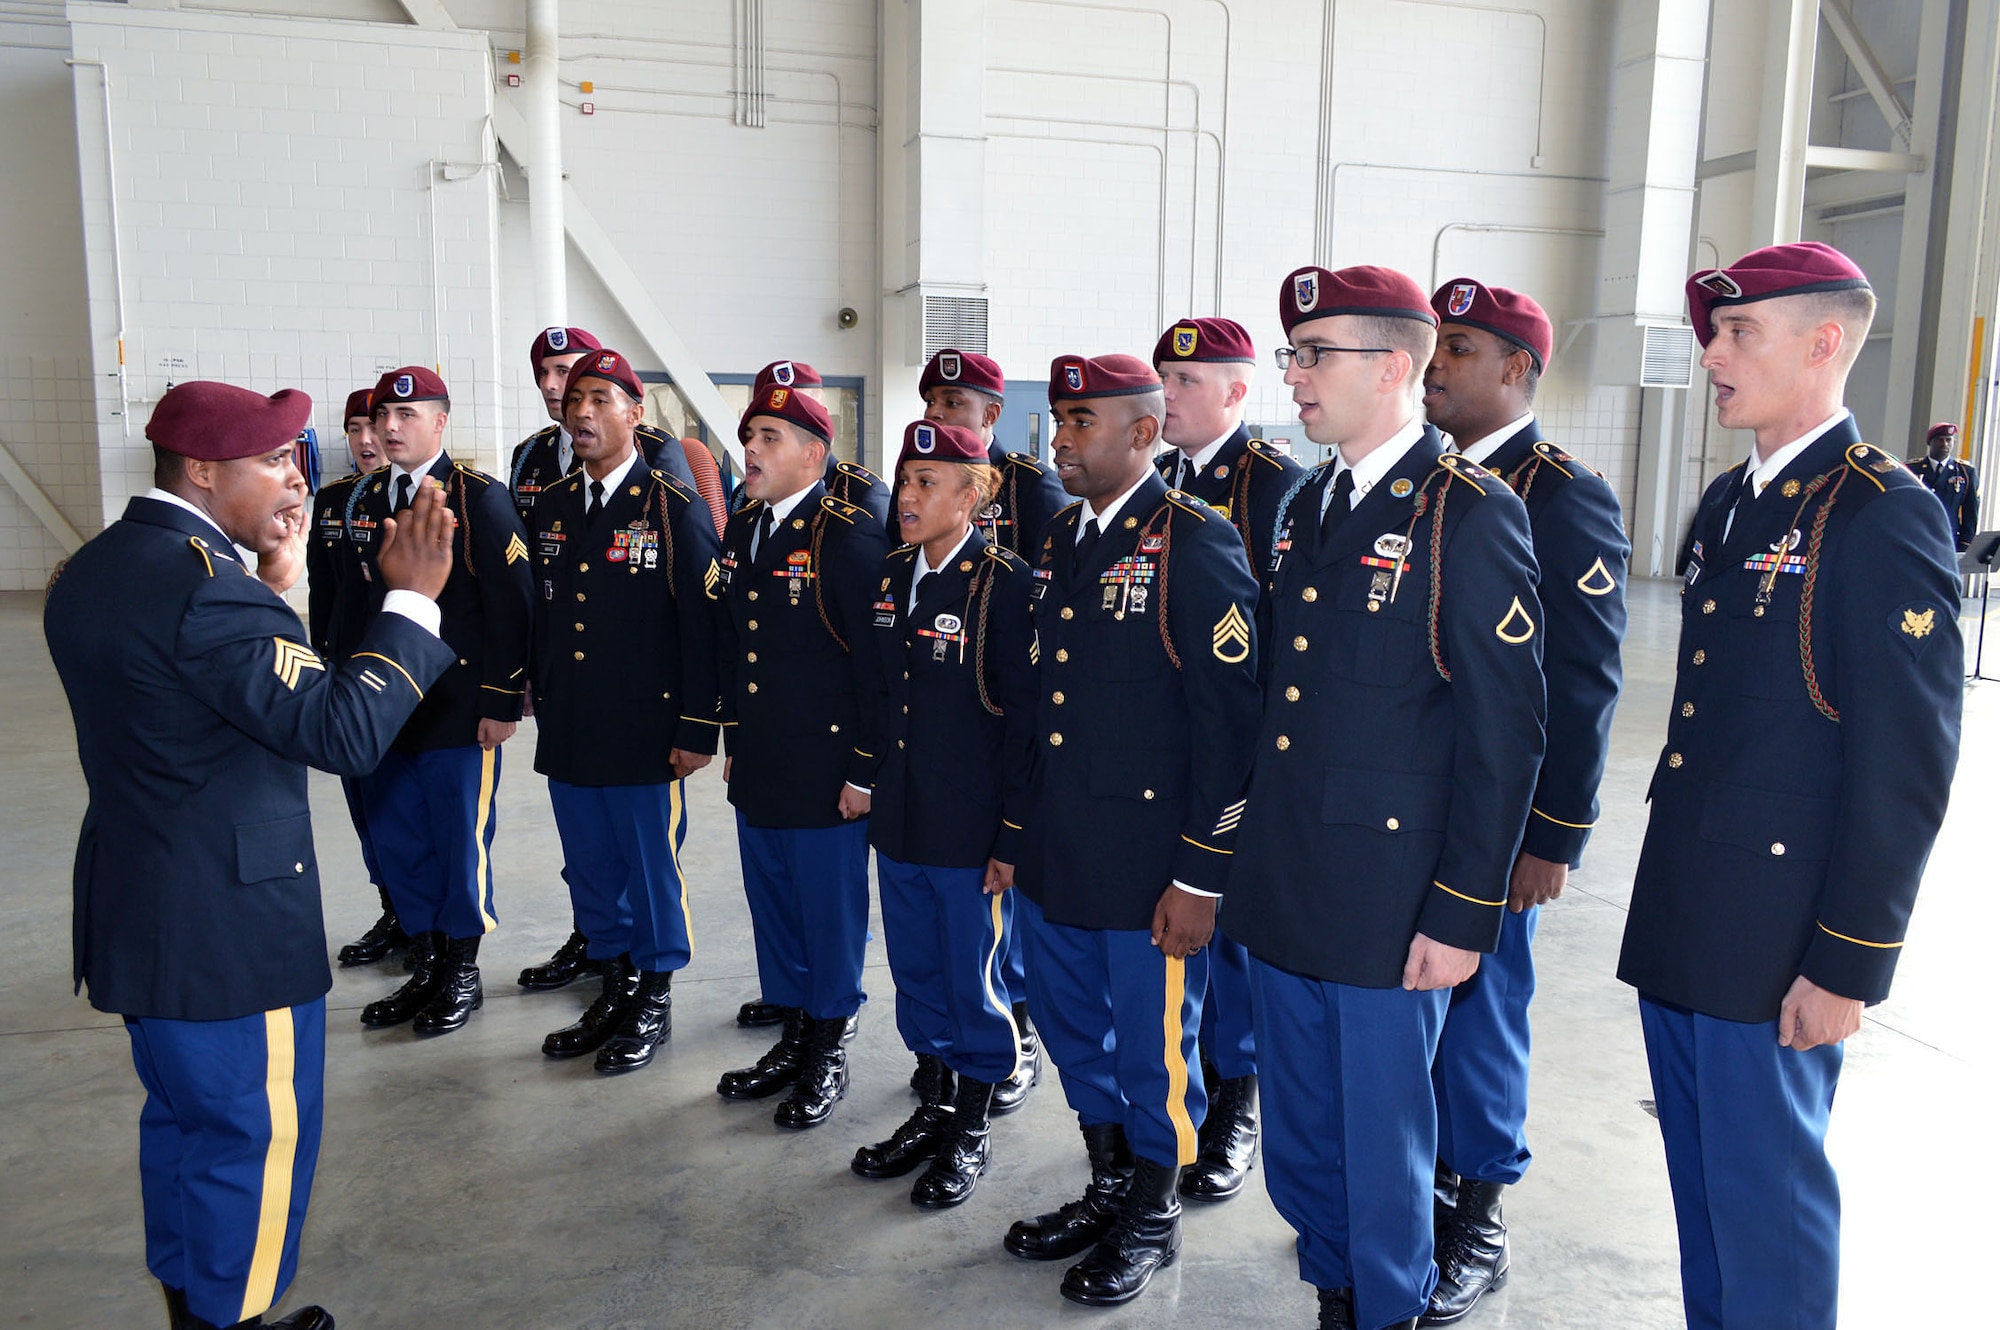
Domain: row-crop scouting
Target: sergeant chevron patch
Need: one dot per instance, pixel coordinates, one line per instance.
(710, 579)
(293, 659)
(1232, 636)
(517, 549)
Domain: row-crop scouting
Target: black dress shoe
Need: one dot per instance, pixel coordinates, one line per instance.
(1472, 1260)
(459, 995)
(426, 978)
(755, 1015)
(649, 1019)
(963, 1152)
(600, 1019)
(383, 936)
(1011, 1093)
(1077, 1226)
(917, 1139)
(305, 1318)
(822, 1081)
(775, 1070)
(1336, 1309)
(1229, 1145)
(570, 963)
(1146, 1237)
(177, 1307)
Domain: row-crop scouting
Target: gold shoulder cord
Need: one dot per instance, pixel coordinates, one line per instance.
(814, 545)
(1164, 519)
(1831, 483)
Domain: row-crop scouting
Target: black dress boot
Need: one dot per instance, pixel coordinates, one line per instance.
(963, 1151)
(1145, 1238)
(459, 995)
(305, 1318)
(1229, 1145)
(649, 1019)
(177, 1307)
(1472, 1259)
(917, 1139)
(1444, 1201)
(600, 1019)
(1011, 1093)
(570, 963)
(822, 1079)
(775, 1070)
(1336, 1309)
(1063, 1233)
(383, 936)
(755, 1015)
(426, 978)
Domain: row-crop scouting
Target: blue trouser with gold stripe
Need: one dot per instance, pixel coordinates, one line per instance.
(1755, 1198)
(1480, 1074)
(1350, 1133)
(431, 815)
(1228, 1031)
(807, 888)
(1120, 1019)
(228, 1140)
(947, 943)
(622, 847)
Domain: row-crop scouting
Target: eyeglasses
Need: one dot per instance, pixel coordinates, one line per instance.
(1308, 355)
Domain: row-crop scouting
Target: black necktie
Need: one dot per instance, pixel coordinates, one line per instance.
(917, 591)
(402, 492)
(1181, 472)
(596, 501)
(764, 526)
(1740, 510)
(1086, 542)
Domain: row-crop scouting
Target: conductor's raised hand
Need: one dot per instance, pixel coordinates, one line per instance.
(416, 544)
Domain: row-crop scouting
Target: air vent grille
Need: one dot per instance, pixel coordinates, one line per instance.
(958, 322)
(1668, 358)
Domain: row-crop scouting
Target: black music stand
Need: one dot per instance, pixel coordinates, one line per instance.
(1977, 561)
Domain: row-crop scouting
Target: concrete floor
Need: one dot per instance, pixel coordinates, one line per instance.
(468, 1181)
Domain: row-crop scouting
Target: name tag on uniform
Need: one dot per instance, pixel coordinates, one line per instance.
(885, 613)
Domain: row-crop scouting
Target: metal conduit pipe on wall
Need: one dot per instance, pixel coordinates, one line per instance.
(543, 112)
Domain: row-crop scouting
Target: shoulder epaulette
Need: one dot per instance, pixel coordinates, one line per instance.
(749, 506)
(1186, 502)
(1469, 472)
(652, 431)
(199, 546)
(473, 473)
(858, 472)
(1024, 461)
(1006, 558)
(841, 508)
(904, 552)
(1877, 465)
(1069, 508)
(547, 431)
(1555, 457)
(1259, 448)
(667, 479)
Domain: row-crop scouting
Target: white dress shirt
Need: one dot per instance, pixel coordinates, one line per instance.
(1368, 472)
(1187, 467)
(1477, 453)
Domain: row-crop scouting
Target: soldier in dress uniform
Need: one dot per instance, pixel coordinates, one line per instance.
(1206, 366)
(1955, 483)
(198, 707)
(1808, 760)
(1493, 347)
(624, 677)
(798, 575)
(1401, 735)
(1144, 632)
(953, 726)
(967, 389)
(431, 803)
(539, 462)
(337, 615)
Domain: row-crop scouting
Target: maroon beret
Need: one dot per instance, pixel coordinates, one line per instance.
(1799, 269)
(792, 406)
(1506, 314)
(1942, 427)
(784, 374)
(925, 442)
(560, 342)
(1210, 340)
(360, 402)
(411, 383)
(1316, 293)
(219, 422)
(1075, 378)
(612, 368)
(964, 369)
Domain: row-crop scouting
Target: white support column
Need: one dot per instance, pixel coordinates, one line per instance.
(1907, 328)
(544, 162)
(1778, 198)
(1967, 263)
